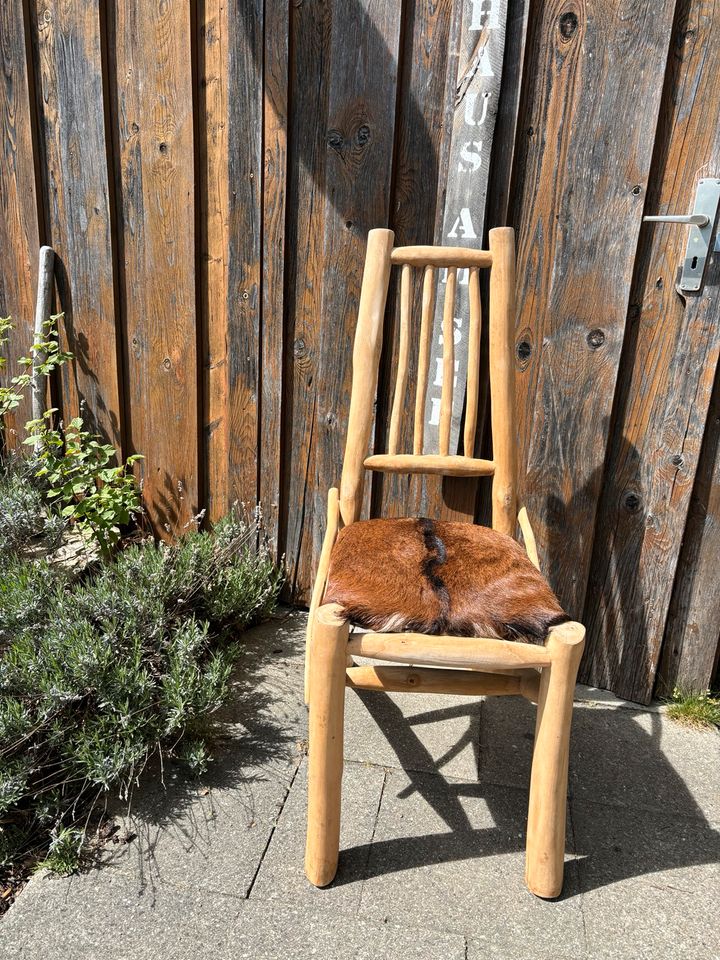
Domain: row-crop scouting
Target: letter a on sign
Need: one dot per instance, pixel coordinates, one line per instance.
(465, 225)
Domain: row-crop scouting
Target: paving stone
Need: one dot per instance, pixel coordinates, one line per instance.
(282, 877)
(102, 916)
(450, 856)
(651, 921)
(279, 640)
(269, 931)
(633, 758)
(651, 882)
(414, 731)
(679, 771)
(208, 837)
(629, 847)
(212, 833)
(507, 736)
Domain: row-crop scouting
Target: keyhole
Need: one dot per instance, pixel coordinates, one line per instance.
(694, 263)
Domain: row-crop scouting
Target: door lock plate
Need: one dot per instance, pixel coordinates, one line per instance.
(698, 244)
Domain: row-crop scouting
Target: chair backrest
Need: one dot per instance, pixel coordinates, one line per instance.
(380, 258)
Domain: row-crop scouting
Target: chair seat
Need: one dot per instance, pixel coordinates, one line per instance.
(439, 577)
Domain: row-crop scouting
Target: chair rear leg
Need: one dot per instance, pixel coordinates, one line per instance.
(328, 655)
(548, 782)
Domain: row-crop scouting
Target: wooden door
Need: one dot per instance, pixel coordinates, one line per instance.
(616, 368)
(643, 587)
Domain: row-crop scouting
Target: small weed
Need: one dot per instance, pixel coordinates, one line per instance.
(65, 852)
(694, 709)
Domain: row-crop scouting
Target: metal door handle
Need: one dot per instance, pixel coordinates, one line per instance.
(693, 219)
(701, 222)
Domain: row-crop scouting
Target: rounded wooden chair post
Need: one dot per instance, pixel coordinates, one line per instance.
(331, 531)
(545, 850)
(502, 379)
(325, 752)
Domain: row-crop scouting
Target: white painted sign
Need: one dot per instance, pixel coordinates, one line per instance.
(482, 46)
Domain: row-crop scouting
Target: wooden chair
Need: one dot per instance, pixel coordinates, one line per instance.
(544, 674)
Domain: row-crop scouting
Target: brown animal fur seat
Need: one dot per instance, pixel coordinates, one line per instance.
(439, 577)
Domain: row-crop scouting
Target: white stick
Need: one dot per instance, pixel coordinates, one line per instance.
(42, 314)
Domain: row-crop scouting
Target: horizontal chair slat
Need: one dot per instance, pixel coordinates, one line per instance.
(441, 257)
(428, 680)
(473, 653)
(449, 466)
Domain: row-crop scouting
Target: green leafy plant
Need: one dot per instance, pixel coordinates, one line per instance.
(46, 355)
(82, 485)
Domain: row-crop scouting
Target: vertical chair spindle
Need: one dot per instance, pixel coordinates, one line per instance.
(446, 397)
(403, 358)
(473, 374)
(426, 331)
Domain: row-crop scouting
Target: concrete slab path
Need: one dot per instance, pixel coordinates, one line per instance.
(434, 807)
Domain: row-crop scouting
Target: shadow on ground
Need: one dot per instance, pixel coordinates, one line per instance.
(172, 816)
(631, 812)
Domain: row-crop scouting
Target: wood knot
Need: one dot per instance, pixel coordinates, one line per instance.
(595, 339)
(568, 24)
(299, 348)
(523, 350)
(632, 502)
(678, 460)
(363, 135)
(336, 140)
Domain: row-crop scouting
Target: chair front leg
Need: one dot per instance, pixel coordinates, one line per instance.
(328, 655)
(545, 850)
(331, 532)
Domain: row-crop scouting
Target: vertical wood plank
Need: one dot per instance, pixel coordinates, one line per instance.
(214, 224)
(499, 203)
(154, 128)
(19, 241)
(310, 26)
(75, 177)
(502, 161)
(232, 173)
(351, 194)
(667, 380)
(692, 628)
(578, 235)
(245, 171)
(277, 22)
(428, 65)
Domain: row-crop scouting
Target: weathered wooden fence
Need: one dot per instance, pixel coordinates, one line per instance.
(207, 173)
